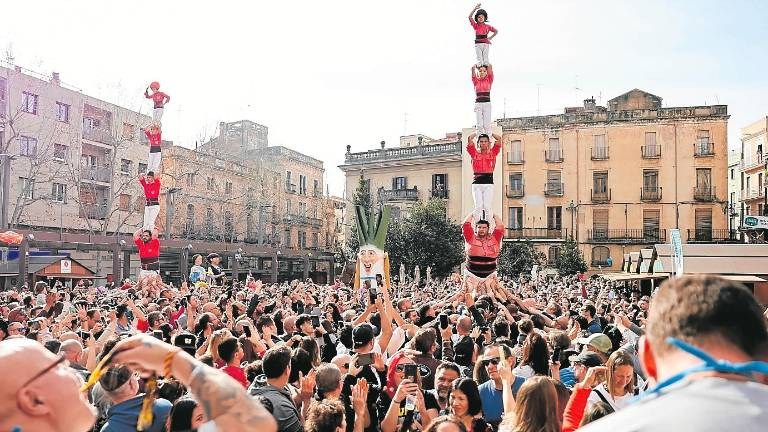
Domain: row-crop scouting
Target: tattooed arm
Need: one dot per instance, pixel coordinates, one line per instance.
(223, 399)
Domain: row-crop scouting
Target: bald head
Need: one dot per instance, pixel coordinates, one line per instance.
(72, 350)
(289, 325)
(33, 398)
(464, 324)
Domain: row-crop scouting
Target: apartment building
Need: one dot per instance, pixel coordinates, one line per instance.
(74, 159)
(419, 168)
(241, 138)
(734, 189)
(616, 178)
(753, 168)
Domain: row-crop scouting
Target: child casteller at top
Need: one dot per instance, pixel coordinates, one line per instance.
(478, 19)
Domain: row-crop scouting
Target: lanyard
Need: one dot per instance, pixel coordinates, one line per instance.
(710, 365)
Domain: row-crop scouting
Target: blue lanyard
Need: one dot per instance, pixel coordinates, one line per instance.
(710, 365)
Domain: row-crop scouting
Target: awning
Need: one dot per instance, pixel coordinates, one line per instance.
(618, 277)
(743, 278)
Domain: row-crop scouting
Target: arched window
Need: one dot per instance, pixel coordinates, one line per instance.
(554, 254)
(600, 256)
(190, 223)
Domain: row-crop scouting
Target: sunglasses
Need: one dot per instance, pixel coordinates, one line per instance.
(492, 360)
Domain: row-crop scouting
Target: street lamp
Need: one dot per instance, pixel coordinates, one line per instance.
(572, 208)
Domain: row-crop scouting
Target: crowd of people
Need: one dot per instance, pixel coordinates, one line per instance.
(531, 354)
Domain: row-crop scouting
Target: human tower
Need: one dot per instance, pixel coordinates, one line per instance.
(482, 246)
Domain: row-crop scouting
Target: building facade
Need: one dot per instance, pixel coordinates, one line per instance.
(753, 168)
(420, 168)
(618, 178)
(734, 189)
(237, 139)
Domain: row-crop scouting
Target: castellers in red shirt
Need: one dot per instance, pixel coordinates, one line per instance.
(151, 186)
(483, 161)
(148, 244)
(158, 98)
(478, 19)
(154, 135)
(482, 79)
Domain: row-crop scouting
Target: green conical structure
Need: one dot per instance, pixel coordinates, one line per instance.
(372, 230)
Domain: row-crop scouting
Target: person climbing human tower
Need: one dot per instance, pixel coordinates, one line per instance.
(159, 100)
(483, 165)
(154, 135)
(151, 187)
(478, 19)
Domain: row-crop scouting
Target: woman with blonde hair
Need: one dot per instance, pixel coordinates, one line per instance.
(217, 338)
(619, 386)
(534, 409)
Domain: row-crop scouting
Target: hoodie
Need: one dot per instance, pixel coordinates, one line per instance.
(124, 416)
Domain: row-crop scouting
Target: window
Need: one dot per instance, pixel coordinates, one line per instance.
(732, 173)
(90, 123)
(555, 218)
(553, 255)
(702, 137)
(600, 223)
(302, 184)
(62, 112)
(515, 152)
(650, 180)
(703, 224)
(59, 192)
(3, 97)
(704, 179)
(439, 182)
(399, 183)
(190, 179)
(228, 187)
(60, 152)
(315, 240)
(27, 188)
(554, 186)
(302, 239)
(190, 223)
(759, 183)
(125, 166)
(651, 225)
(651, 149)
(139, 202)
(29, 102)
(90, 160)
(142, 168)
(554, 152)
(287, 238)
(600, 255)
(209, 184)
(129, 131)
(316, 189)
(516, 218)
(515, 185)
(27, 146)
(288, 184)
(302, 209)
(124, 202)
(229, 226)
(600, 182)
(600, 150)
(209, 219)
(288, 207)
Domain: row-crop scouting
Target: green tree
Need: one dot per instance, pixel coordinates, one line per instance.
(519, 257)
(362, 198)
(571, 260)
(426, 237)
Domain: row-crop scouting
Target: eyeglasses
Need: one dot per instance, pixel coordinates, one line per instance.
(49, 368)
(400, 367)
(492, 360)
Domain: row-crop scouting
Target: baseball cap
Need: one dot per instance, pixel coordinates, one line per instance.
(187, 342)
(115, 377)
(599, 341)
(587, 358)
(362, 335)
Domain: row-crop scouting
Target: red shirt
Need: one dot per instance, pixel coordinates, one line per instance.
(151, 191)
(237, 373)
(481, 30)
(483, 84)
(151, 249)
(158, 97)
(483, 163)
(154, 138)
(487, 247)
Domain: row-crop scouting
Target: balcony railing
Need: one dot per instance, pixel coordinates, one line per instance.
(703, 149)
(712, 235)
(401, 153)
(650, 194)
(440, 193)
(553, 189)
(753, 161)
(753, 193)
(516, 191)
(704, 193)
(642, 235)
(650, 152)
(98, 135)
(536, 233)
(290, 188)
(96, 173)
(600, 153)
(88, 211)
(315, 222)
(515, 157)
(398, 194)
(600, 196)
(553, 155)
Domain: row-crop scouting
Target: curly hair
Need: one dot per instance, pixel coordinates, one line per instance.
(325, 415)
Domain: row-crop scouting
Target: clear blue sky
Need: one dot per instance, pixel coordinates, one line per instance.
(323, 75)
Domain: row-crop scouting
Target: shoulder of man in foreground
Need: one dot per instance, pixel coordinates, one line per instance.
(702, 405)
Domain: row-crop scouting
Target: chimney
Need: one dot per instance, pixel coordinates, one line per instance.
(349, 148)
(420, 139)
(589, 104)
(382, 144)
(55, 78)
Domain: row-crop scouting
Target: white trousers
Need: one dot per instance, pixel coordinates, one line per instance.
(153, 162)
(150, 214)
(483, 196)
(157, 114)
(147, 273)
(483, 113)
(481, 51)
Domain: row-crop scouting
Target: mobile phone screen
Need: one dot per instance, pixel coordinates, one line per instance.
(410, 371)
(443, 321)
(247, 331)
(365, 359)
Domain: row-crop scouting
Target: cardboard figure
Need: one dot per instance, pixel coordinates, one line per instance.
(372, 268)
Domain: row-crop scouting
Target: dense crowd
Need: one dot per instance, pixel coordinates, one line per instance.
(534, 354)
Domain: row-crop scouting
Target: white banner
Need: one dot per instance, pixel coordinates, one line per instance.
(66, 266)
(677, 251)
(756, 222)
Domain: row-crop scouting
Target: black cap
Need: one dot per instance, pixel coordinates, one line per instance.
(362, 335)
(186, 341)
(212, 256)
(587, 358)
(115, 377)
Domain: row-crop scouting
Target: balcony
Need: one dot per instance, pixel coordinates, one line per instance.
(315, 222)
(290, 188)
(553, 189)
(703, 149)
(439, 193)
(752, 193)
(599, 153)
(398, 194)
(702, 235)
(642, 235)
(650, 194)
(102, 136)
(101, 174)
(536, 234)
(515, 191)
(92, 211)
(294, 219)
(704, 193)
(404, 153)
(650, 152)
(317, 193)
(553, 156)
(600, 196)
(515, 158)
(751, 162)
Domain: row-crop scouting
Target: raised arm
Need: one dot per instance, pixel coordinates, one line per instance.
(137, 234)
(472, 13)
